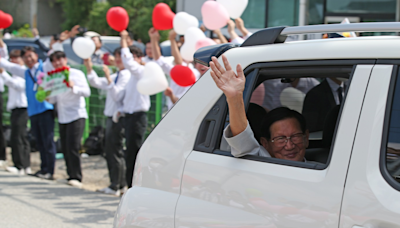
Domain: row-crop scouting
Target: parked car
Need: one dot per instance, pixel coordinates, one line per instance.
(186, 176)
(20, 43)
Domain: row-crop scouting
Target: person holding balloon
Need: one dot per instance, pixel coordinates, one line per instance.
(115, 85)
(135, 104)
(176, 89)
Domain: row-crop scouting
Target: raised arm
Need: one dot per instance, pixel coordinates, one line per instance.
(235, 39)
(93, 78)
(220, 36)
(174, 48)
(128, 59)
(3, 49)
(17, 84)
(240, 25)
(13, 68)
(78, 83)
(154, 38)
(232, 85)
(117, 91)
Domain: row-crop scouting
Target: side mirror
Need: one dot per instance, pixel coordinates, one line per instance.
(203, 55)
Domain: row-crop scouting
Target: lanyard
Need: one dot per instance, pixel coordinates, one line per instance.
(116, 78)
(30, 74)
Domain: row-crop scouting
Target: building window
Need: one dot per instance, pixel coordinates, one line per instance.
(283, 13)
(254, 15)
(357, 6)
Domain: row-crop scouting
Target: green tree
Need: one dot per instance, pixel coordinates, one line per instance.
(76, 12)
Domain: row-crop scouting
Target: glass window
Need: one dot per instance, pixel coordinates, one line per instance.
(357, 6)
(302, 90)
(393, 145)
(283, 12)
(254, 15)
(315, 14)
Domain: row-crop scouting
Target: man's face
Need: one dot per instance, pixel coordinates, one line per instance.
(149, 51)
(17, 60)
(288, 151)
(118, 62)
(97, 42)
(137, 59)
(30, 58)
(58, 63)
(201, 68)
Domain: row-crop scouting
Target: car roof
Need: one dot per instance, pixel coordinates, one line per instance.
(382, 47)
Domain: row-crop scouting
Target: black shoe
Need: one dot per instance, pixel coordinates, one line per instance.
(36, 174)
(46, 176)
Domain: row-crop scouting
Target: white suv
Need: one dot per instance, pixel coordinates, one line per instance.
(185, 175)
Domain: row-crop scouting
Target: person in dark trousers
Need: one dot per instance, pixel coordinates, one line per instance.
(40, 113)
(3, 54)
(17, 105)
(115, 85)
(135, 105)
(71, 109)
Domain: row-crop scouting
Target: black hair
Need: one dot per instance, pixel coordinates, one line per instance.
(130, 34)
(99, 39)
(136, 51)
(26, 49)
(15, 53)
(278, 114)
(117, 51)
(57, 55)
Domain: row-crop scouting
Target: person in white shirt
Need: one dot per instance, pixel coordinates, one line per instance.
(115, 85)
(135, 105)
(235, 38)
(3, 54)
(174, 91)
(71, 109)
(41, 114)
(17, 104)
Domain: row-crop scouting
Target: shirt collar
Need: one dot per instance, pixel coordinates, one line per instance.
(334, 86)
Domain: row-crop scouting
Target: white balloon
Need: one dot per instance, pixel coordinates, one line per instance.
(183, 21)
(235, 8)
(83, 47)
(187, 51)
(192, 35)
(153, 80)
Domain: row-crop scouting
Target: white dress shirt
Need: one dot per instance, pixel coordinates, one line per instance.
(133, 100)
(4, 52)
(71, 105)
(16, 91)
(115, 90)
(19, 70)
(178, 90)
(334, 87)
(274, 88)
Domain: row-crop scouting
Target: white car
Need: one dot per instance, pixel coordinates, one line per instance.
(185, 175)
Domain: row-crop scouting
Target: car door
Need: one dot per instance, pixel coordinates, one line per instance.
(219, 190)
(371, 197)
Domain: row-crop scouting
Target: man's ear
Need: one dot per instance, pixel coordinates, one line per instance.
(264, 142)
(307, 134)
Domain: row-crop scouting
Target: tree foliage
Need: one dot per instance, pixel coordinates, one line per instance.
(92, 14)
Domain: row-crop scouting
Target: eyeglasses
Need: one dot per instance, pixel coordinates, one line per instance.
(281, 141)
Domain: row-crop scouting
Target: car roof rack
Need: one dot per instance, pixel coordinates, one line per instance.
(279, 34)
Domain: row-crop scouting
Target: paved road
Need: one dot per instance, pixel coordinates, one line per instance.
(30, 202)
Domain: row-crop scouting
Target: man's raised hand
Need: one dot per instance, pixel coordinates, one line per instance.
(225, 78)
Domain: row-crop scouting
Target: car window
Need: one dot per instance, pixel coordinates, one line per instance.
(392, 148)
(11, 46)
(315, 92)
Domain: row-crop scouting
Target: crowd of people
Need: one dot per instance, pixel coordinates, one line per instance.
(125, 108)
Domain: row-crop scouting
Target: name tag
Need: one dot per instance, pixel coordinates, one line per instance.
(35, 87)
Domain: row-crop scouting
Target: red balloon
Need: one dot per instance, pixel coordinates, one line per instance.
(183, 75)
(163, 17)
(5, 20)
(117, 18)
